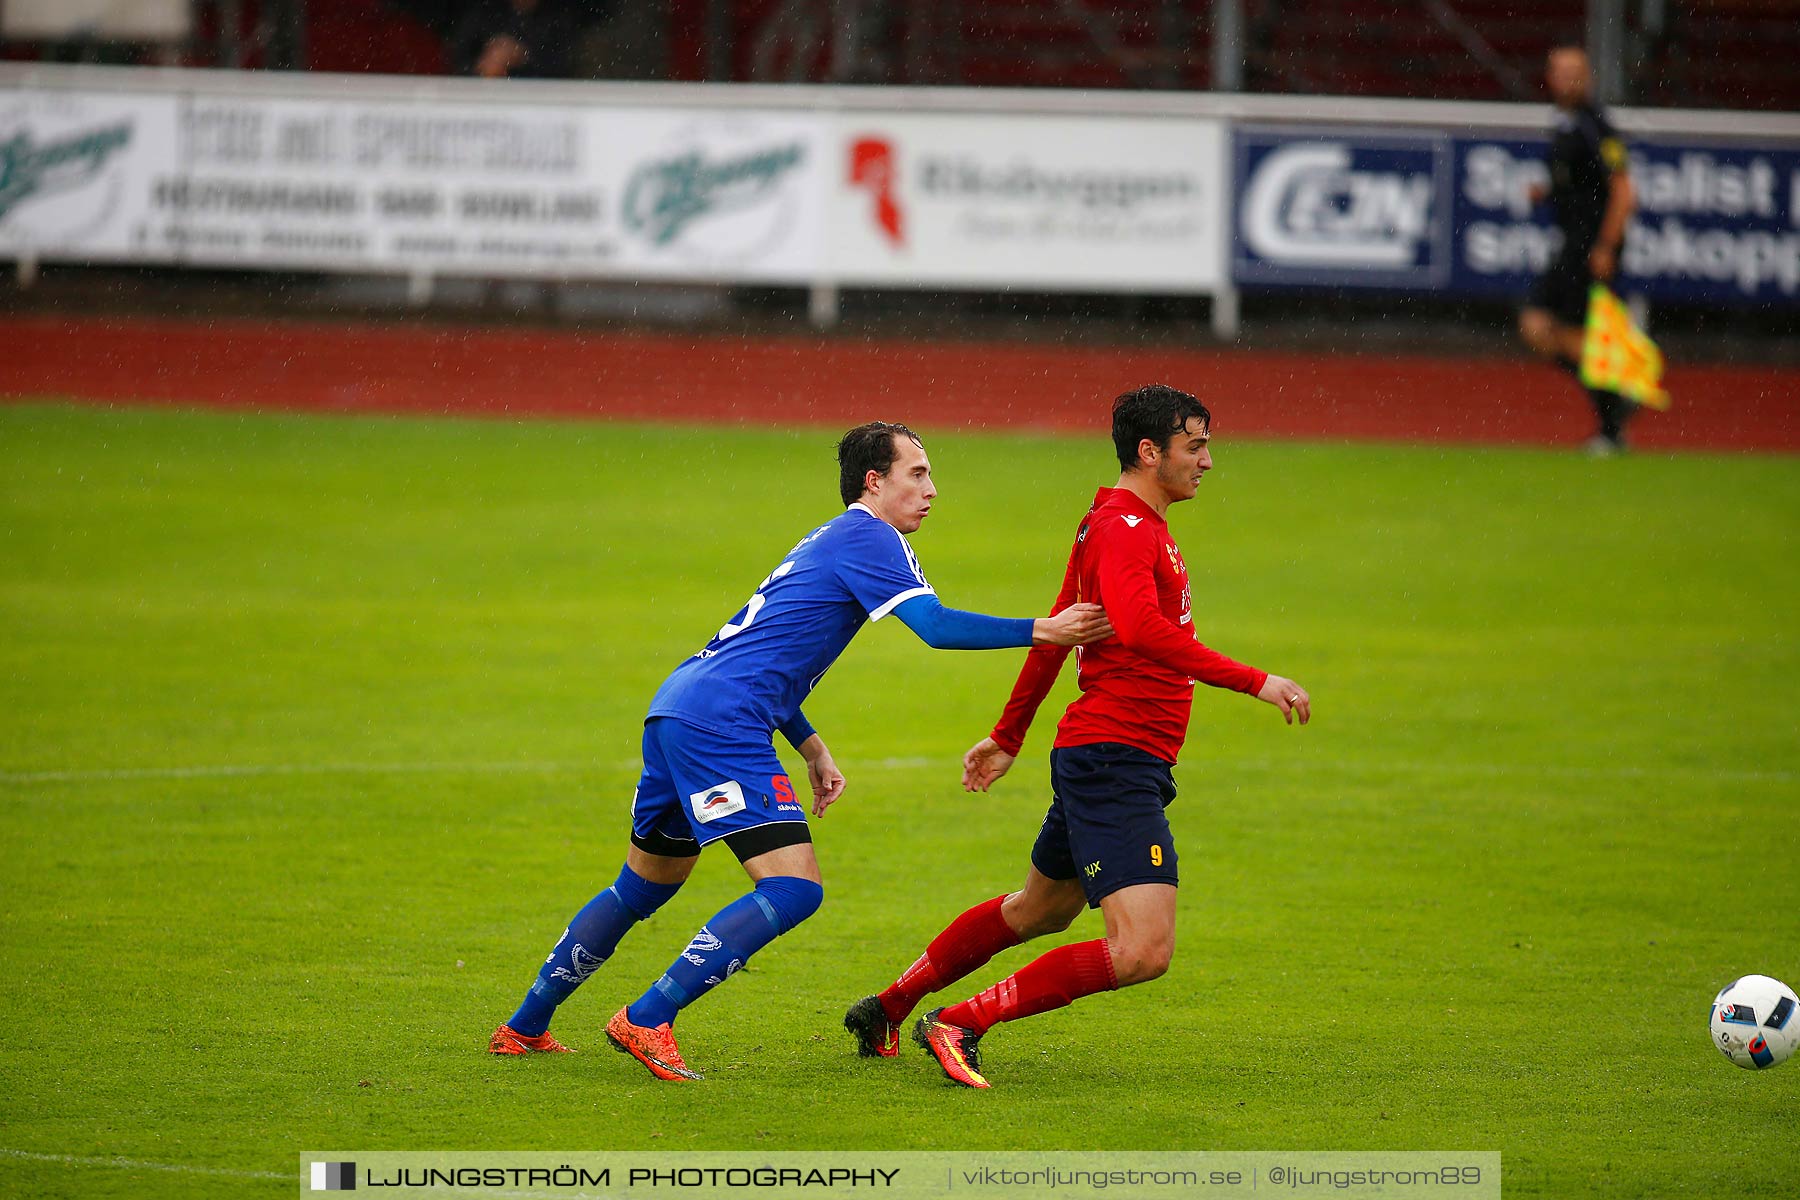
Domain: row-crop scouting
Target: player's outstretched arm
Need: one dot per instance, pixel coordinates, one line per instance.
(822, 773)
(1076, 625)
(1289, 697)
(953, 629)
(985, 763)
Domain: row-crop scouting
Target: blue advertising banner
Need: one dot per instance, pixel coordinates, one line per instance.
(1715, 223)
(1331, 208)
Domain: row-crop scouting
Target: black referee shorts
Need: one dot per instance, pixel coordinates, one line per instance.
(1106, 824)
(1563, 289)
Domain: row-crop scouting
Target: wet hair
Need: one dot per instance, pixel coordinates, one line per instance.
(868, 448)
(1157, 412)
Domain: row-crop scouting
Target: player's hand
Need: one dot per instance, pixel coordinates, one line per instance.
(983, 764)
(1289, 697)
(1076, 625)
(1602, 262)
(826, 780)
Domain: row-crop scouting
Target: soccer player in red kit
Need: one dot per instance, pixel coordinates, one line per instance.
(1105, 841)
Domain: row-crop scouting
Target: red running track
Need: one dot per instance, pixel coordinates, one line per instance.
(842, 381)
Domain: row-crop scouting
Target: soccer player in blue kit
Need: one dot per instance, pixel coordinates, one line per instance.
(710, 770)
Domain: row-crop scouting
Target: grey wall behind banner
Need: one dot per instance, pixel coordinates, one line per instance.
(1717, 221)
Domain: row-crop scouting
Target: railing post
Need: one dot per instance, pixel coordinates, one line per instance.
(1606, 48)
(718, 41)
(1226, 317)
(1225, 322)
(1228, 46)
(822, 304)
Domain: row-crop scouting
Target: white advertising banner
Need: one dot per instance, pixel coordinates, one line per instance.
(73, 172)
(345, 185)
(211, 175)
(720, 195)
(1018, 200)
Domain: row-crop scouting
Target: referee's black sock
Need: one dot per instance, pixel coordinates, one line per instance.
(1613, 410)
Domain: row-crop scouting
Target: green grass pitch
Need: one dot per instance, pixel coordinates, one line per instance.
(317, 729)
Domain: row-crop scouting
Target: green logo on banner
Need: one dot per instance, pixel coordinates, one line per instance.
(28, 168)
(666, 196)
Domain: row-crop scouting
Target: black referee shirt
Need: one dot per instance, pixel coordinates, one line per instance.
(1585, 150)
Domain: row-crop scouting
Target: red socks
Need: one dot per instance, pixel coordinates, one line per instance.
(1053, 980)
(970, 941)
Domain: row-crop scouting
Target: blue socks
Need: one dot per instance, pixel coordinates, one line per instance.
(588, 941)
(725, 943)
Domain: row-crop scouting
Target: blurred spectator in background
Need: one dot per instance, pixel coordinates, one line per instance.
(519, 39)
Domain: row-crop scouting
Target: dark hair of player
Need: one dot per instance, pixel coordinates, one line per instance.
(1157, 412)
(868, 448)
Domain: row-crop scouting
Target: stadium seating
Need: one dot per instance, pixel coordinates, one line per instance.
(1444, 49)
(1759, 39)
(369, 35)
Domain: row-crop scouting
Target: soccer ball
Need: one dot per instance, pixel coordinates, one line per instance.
(1754, 1023)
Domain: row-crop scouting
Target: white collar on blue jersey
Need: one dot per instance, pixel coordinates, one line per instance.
(864, 507)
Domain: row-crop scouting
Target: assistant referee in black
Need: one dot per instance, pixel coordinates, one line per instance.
(1591, 198)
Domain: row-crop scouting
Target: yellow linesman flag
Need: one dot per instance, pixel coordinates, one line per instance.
(1617, 356)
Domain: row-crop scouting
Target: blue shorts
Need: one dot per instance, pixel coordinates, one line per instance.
(1106, 824)
(699, 786)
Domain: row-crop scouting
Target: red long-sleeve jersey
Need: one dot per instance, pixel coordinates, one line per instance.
(1137, 686)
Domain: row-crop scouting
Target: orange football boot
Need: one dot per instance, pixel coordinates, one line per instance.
(956, 1049)
(655, 1048)
(507, 1040)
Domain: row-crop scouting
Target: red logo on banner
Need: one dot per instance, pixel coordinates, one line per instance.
(872, 167)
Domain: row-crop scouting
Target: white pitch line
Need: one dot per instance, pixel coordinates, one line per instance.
(1495, 770)
(911, 764)
(231, 771)
(1527, 770)
(253, 770)
(132, 1164)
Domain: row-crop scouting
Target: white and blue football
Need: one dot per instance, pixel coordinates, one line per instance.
(1754, 1023)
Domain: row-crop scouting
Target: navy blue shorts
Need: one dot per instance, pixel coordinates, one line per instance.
(699, 786)
(1563, 289)
(1106, 824)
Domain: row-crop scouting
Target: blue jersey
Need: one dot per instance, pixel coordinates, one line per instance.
(755, 672)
